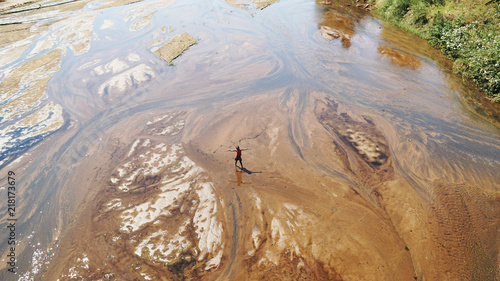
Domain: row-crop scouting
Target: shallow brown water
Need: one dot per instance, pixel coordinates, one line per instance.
(367, 159)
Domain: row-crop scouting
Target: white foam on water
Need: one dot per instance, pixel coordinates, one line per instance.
(42, 46)
(165, 249)
(256, 237)
(148, 212)
(12, 52)
(173, 129)
(258, 202)
(115, 66)
(132, 149)
(136, 13)
(133, 57)
(146, 276)
(145, 243)
(121, 172)
(23, 90)
(152, 162)
(79, 269)
(74, 33)
(42, 122)
(39, 259)
(84, 261)
(107, 24)
(215, 261)
(89, 64)
(126, 80)
(142, 22)
(114, 204)
(207, 227)
(156, 120)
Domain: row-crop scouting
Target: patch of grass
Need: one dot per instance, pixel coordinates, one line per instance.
(466, 31)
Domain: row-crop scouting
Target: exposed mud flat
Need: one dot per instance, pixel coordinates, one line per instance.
(27, 116)
(159, 210)
(29, 64)
(175, 47)
(259, 4)
(399, 58)
(319, 198)
(162, 214)
(418, 215)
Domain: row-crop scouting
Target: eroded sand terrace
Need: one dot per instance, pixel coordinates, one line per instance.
(354, 170)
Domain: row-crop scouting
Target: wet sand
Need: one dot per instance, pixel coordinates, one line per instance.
(358, 166)
(313, 201)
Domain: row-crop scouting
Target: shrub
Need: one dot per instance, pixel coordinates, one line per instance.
(475, 48)
(418, 15)
(395, 9)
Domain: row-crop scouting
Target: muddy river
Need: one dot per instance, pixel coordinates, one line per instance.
(365, 157)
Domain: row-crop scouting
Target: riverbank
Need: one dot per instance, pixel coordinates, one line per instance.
(466, 31)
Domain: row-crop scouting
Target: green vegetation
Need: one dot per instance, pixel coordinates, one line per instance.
(466, 31)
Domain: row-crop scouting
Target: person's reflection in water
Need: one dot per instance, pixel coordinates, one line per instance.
(239, 178)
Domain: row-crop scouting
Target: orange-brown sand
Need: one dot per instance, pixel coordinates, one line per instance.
(320, 197)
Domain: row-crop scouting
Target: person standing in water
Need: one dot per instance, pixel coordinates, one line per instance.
(238, 156)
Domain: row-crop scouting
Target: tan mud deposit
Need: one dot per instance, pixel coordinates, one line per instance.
(320, 198)
(399, 58)
(175, 47)
(335, 24)
(259, 4)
